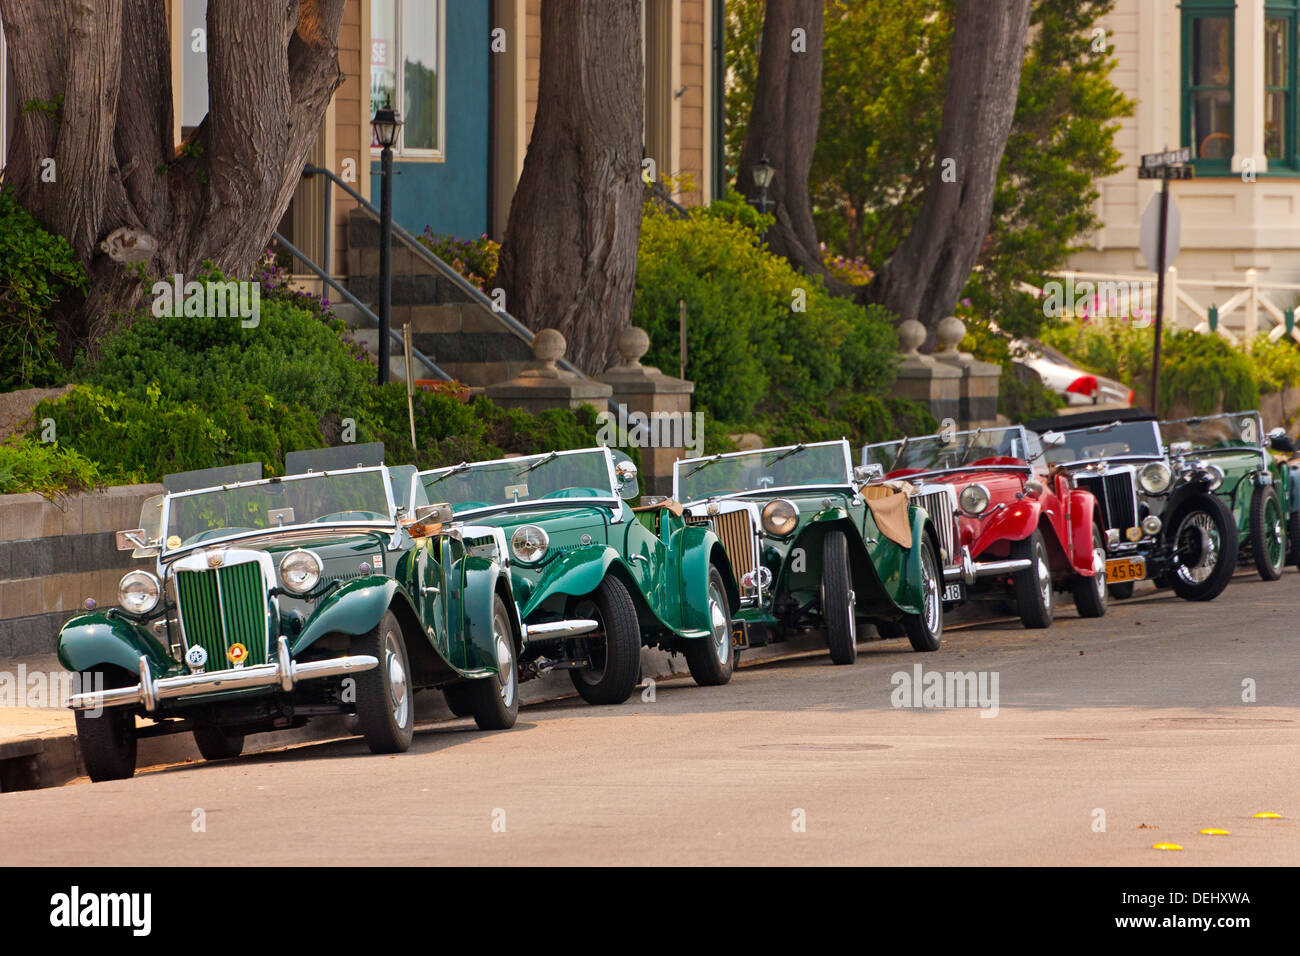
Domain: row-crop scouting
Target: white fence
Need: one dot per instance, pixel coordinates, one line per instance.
(1242, 309)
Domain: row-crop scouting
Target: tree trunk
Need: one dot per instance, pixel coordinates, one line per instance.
(568, 261)
(926, 273)
(783, 127)
(101, 72)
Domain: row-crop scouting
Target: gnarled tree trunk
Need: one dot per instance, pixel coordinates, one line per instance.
(99, 72)
(568, 260)
(926, 273)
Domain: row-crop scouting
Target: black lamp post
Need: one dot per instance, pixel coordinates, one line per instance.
(762, 173)
(386, 124)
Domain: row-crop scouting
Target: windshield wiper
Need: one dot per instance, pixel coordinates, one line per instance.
(899, 457)
(971, 446)
(702, 465)
(785, 454)
(538, 464)
(462, 467)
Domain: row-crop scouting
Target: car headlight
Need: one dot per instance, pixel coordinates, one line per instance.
(779, 517)
(974, 499)
(529, 542)
(1215, 475)
(300, 571)
(138, 592)
(1155, 477)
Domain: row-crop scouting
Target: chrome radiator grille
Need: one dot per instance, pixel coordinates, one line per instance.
(1114, 493)
(733, 530)
(221, 607)
(938, 506)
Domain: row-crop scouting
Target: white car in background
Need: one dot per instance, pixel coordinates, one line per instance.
(1063, 376)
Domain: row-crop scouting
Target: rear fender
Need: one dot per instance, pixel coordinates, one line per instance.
(692, 548)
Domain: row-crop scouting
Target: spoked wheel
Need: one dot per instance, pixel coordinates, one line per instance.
(614, 650)
(1033, 585)
(494, 701)
(711, 659)
(385, 708)
(1267, 533)
(1204, 540)
(1090, 592)
(925, 630)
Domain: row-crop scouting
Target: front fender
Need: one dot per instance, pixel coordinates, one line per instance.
(356, 607)
(472, 579)
(1015, 522)
(1083, 508)
(574, 573)
(107, 637)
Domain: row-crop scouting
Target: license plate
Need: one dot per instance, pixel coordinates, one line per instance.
(953, 593)
(739, 637)
(1125, 569)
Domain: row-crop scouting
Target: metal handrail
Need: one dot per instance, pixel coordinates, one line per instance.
(321, 274)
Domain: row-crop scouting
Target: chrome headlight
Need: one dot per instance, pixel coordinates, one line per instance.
(1155, 477)
(300, 571)
(779, 517)
(138, 592)
(974, 499)
(1215, 475)
(529, 542)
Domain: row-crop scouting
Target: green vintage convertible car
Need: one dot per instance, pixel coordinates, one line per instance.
(819, 543)
(334, 589)
(1259, 490)
(579, 551)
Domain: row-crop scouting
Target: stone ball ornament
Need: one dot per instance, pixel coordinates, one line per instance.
(911, 335)
(632, 343)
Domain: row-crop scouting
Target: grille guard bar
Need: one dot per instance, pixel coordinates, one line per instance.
(151, 690)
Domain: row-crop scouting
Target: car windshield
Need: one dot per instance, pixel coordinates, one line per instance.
(790, 467)
(946, 452)
(489, 484)
(1115, 440)
(334, 497)
(1216, 432)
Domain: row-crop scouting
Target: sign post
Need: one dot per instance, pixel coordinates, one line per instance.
(1163, 166)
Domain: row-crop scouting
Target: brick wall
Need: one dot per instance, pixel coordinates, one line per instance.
(54, 555)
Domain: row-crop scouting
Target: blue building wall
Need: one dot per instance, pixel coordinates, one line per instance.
(452, 196)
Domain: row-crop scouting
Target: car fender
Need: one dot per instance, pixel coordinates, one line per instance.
(1015, 522)
(472, 583)
(691, 549)
(355, 608)
(1083, 507)
(574, 573)
(109, 637)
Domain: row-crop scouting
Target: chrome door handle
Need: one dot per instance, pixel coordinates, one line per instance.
(638, 557)
(430, 589)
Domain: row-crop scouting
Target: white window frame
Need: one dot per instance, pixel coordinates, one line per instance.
(401, 151)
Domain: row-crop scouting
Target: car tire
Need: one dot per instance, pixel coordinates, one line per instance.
(620, 653)
(458, 699)
(925, 630)
(108, 741)
(1090, 593)
(494, 701)
(1033, 585)
(712, 659)
(217, 743)
(1121, 591)
(836, 599)
(1267, 533)
(1188, 535)
(385, 701)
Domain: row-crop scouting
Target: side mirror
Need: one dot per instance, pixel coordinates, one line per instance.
(864, 473)
(1278, 440)
(428, 520)
(626, 474)
(133, 539)
(1178, 448)
(1052, 439)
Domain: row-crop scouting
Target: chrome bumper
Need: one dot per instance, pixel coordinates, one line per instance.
(151, 690)
(971, 570)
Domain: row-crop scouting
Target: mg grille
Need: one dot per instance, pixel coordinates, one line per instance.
(939, 507)
(223, 607)
(1115, 495)
(733, 530)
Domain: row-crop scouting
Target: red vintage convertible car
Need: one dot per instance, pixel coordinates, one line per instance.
(1018, 529)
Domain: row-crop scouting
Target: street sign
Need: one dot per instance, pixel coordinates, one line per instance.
(1170, 157)
(1149, 238)
(1166, 172)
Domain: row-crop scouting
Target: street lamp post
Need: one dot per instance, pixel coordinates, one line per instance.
(386, 123)
(762, 172)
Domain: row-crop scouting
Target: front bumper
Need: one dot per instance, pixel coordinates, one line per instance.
(970, 570)
(284, 673)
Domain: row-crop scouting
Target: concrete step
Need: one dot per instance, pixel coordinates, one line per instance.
(352, 317)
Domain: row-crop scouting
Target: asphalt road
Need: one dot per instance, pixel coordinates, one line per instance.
(1110, 736)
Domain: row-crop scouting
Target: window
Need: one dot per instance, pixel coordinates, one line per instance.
(1281, 40)
(406, 70)
(1207, 83)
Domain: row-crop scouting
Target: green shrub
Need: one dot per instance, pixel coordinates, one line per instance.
(476, 259)
(1276, 365)
(37, 269)
(30, 465)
